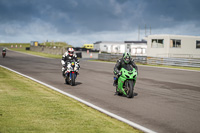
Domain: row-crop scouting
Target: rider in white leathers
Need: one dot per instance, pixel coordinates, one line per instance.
(67, 57)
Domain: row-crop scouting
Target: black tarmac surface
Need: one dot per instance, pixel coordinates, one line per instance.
(168, 100)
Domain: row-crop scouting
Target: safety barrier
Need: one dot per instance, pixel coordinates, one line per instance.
(48, 50)
(173, 61)
(115, 57)
(154, 60)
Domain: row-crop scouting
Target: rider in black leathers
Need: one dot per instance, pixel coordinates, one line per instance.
(121, 63)
(4, 50)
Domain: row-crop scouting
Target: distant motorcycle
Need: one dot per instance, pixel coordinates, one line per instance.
(126, 81)
(4, 54)
(71, 72)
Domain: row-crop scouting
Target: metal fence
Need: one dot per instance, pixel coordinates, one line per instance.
(115, 57)
(173, 61)
(188, 56)
(48, 50)
(186, 62)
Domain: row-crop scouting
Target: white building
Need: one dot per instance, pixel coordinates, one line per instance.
(110, 46)
(173, 46)
(136, 48)
(133, 47)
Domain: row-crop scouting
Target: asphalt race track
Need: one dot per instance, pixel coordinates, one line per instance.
(168, 100)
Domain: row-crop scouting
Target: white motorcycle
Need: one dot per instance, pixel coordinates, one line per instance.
(71, 72)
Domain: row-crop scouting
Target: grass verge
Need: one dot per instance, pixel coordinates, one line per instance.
(8, 45)
(27, 106)
(37, 53)
(23, 49)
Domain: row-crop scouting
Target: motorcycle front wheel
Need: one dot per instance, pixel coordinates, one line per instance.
(73, 79)
(129, 87)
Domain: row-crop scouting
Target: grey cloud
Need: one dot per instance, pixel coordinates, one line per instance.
(66, 17)
(177, 11)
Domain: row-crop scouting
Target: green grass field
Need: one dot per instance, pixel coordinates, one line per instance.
(23, 49)
(8, 45)
(58, 44)
(37, 53)
(27, 106)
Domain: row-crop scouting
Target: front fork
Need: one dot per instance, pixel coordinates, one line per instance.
(69, 75)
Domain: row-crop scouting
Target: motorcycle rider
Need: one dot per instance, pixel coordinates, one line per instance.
(121, 63)
(67, 57)
(4, 50)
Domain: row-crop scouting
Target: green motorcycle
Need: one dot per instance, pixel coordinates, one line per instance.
(126, 81)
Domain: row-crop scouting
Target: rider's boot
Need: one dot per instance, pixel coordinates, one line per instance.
(63, 73)
(115, 82)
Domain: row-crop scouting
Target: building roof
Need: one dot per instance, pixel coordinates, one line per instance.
(108, 42)
(173, 35)
(135, 41)
(97, 42)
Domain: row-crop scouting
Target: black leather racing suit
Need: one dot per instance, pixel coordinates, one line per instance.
(121, 64)
(4, 50)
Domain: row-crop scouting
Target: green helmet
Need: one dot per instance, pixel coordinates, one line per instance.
(126, 57)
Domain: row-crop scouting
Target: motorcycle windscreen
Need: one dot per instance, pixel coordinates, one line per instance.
(128, 67)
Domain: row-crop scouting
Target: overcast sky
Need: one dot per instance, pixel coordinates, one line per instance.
(87, 21)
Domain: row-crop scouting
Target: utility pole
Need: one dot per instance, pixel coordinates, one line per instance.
(138, 33)
(150, 30)
(145, 30)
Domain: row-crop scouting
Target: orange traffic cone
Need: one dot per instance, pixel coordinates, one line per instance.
(91, 55)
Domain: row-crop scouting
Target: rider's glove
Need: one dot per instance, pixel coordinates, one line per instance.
(63, 63)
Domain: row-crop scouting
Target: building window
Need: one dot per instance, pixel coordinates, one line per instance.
(134, 51)
(175, 43)
(144, 51)
(139, 51)
(157, 43)
(197, 44)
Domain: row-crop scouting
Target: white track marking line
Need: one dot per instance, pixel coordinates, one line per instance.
(137, 126)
